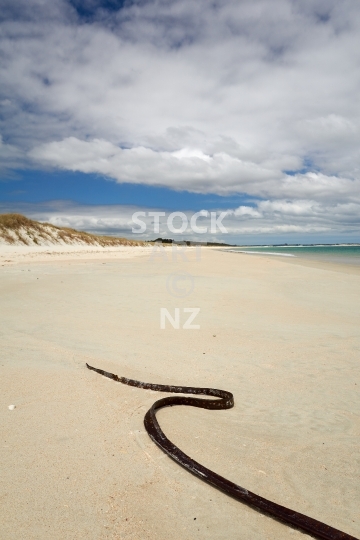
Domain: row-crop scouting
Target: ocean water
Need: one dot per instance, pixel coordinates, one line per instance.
(343, 254)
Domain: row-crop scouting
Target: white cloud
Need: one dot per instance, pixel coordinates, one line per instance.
(191, 170)
(207, 97)
(290, 221)
(188, 169)
(301, 216)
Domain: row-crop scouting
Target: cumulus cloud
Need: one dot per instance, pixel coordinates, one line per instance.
(188, 169)
(225, 97)
(302, 216)
(266, 221)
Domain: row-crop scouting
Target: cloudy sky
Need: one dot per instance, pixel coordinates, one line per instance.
(250, 107)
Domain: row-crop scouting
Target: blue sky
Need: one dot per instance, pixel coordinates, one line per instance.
(40, 186)
(246, 107)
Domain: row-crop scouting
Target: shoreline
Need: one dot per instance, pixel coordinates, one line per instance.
(33, 254)
(335, 266)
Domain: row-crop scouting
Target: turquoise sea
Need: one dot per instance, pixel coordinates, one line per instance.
(343, 254)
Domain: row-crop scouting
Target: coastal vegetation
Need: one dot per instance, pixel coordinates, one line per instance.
(16, 229)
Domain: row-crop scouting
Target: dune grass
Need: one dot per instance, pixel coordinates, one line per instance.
(18, 229)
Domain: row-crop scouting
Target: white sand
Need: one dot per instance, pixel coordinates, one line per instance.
(76, 460)
(17, 254)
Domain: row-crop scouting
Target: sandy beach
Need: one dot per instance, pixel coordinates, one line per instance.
(76, 460)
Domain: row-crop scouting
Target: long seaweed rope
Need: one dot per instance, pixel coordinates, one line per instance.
(224, 400)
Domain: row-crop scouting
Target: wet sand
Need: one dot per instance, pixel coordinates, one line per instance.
(76, 460)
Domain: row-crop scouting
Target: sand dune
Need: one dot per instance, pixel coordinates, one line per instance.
(18, 230)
